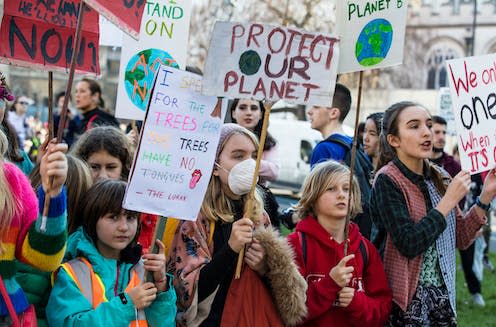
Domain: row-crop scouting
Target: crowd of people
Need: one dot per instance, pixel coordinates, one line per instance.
(88, 261)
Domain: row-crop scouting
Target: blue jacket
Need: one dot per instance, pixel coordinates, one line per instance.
(67, 306)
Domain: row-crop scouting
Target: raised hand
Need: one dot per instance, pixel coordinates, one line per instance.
(457, 189)
(54, 164)
(341, 274)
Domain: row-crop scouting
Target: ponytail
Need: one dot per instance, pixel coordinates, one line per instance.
(439, 179)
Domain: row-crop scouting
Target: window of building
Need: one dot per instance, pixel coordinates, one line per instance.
(437, 74)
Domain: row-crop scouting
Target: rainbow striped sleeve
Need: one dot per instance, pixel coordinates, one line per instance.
(45, 250)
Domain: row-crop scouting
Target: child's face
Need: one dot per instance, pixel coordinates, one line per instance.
(238, 148)
(414, 141)
(114, 233)
(104, 166)
(333, 203)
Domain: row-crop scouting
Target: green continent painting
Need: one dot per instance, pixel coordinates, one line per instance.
(140, 72)
(374, 42)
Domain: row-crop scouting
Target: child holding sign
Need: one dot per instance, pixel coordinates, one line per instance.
(349, 290)
(415, 203)
(103, 283)
(204, 252)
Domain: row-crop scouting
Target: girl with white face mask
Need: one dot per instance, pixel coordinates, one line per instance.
(249, 114)
(204, 252)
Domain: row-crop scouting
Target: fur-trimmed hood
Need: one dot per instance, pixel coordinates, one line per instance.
(287, 286)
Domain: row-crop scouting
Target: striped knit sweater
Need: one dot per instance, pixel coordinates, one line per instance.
(24, 241)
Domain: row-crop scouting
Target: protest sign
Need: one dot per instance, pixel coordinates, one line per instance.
(177, 147)
(40, 34)
(446, 110)
(163, 40)
(265, 62)
(473, 83)
(372, 33)
(126, 14)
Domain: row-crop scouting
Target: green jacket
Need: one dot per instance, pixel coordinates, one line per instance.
(67, 306)
(36, 286)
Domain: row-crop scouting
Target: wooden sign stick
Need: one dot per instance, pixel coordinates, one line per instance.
(250, 201)
(50, 105)
(63, 114)
(352, 164)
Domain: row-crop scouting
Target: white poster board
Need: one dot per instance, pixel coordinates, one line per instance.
(266, 62)
(176, 152)
(446, 110)
(372, 33)
(473, 92)
(163, 40)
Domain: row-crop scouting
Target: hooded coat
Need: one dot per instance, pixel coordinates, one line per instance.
(371, 303)
(67, 306)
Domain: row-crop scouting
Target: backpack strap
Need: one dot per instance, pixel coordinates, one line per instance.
(332, 138)
(303, 242)
(364, 251)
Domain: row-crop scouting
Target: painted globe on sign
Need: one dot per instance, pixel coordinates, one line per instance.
(249, 62)
(140, 71)
(374, 42)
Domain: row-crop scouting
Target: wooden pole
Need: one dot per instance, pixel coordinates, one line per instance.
(250, 201)
(63, 114)
(50, 105)
(352, 164)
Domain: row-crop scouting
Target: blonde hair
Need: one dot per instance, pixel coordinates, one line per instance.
(216, 204)
(321, 178)
(8, 203)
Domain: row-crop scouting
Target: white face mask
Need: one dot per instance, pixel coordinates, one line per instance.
(241, 176)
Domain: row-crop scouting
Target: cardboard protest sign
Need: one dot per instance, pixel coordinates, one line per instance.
(265, 62)
(372, 33)
(40, 34)
(473, 92)
(446, 110)
(126, 14)
(163, 40)
(176, 152)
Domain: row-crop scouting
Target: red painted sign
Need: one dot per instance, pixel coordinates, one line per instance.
(41, 34)
(126, 14)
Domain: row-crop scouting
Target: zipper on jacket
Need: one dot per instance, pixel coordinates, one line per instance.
(116, 291)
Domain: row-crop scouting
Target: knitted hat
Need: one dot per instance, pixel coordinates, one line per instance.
(225, 133)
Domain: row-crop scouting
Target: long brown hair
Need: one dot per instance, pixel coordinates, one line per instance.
(387, 152)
